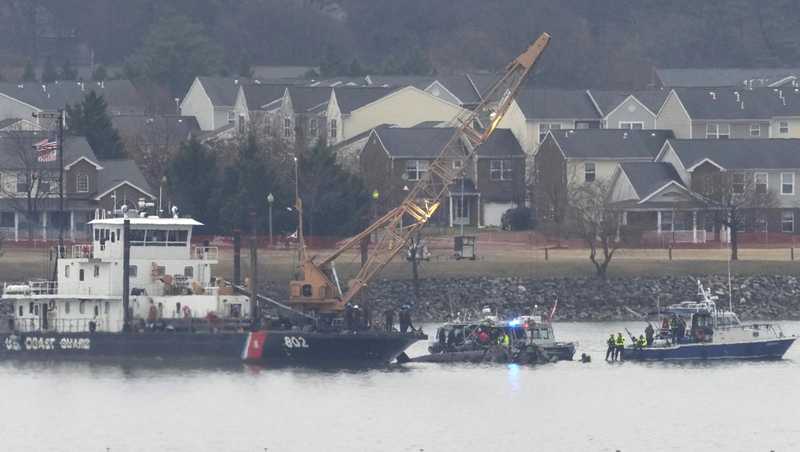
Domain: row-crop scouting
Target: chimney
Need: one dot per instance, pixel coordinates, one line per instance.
(44, 88)
(738, 96)
(713, 95)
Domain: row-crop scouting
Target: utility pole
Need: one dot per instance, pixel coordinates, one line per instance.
(126, 273)
(254, 271)
(59, 116)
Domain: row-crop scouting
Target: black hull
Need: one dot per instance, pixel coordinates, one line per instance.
(265, 347)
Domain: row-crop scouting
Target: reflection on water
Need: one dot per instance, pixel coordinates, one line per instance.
(188, 405)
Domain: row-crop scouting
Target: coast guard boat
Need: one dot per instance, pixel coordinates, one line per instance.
(709, 334)
(140, 288)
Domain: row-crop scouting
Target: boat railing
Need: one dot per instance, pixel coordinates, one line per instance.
(76, 251)
(43, 287)
(205, 252)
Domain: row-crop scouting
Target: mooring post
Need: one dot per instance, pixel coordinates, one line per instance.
(254, 270)
(546, 254)
(237, 257)
(791, 253)
(670, 251)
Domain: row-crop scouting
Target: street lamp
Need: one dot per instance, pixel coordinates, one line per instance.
(270, 200)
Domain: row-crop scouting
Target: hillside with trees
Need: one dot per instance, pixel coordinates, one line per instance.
(595, 44)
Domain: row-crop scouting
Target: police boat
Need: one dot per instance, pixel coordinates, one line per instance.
(699, 330)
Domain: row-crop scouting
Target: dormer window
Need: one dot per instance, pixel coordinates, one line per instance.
(718, 131)
(82, 183)
(755, 130)
(589, 172)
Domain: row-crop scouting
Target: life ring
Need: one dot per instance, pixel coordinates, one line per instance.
(187, 312)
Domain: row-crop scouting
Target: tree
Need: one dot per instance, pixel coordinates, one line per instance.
(335, 201)
(90, 118)
(192, 177)
(245, 66)
(174, 52)
(355, 69)
(735, 200)
(593, 217)
(100, 73)
(33, 180)
(68, 72)
(29, 74)
(332, 64)
(49, 72)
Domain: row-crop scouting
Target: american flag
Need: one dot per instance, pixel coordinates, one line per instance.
(46, 150)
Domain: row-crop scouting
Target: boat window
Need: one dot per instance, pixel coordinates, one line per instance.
(66, 307)
(96, 310)
(133, 270)
(107, 307)
(66, 271)
(21, 311)
(80, 275)
(136, 237)
(307, 290)
(96, 271)
(178, 308)
(156, 237)
(82, 307)
(177, 238)
(30, 308)
(113, 237)
(96, 235)
(545, 334)
(236, 311)
(36, 309)
(160, 310)
(188, 272)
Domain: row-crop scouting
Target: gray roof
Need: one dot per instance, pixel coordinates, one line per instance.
(120, 95)
(545, 103)
(286, 72)
(647, 177)
(609, 100)
(308, 98)
(17, 152)
(259, 96)
(340, 82)
(757, 103)
(422, 142)
(461, 87)
(120, 170)
(740, 154)
(222, 90)
(610, 143)
(714, 77)
(353, 98)
(160, 129)
(417, 81)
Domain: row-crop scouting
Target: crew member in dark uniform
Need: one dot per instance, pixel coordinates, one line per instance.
(358, 318)
(388, 322)
(611, 350)
(348, 316)
(648, 333)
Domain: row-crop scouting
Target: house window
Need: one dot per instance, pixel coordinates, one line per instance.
(500, 169)
(718, 131)
(755, 130)
(589, 172)
(787, 183)
(268, 126)
(637, 125)
(666, 220)
(22, 183)
(783, 127)
(737, 184)
(82, 183)
(332, 126)
(312, 128)
(287, 127)
(762, 179)
(7, 220)
(96, 271)
(231, 117)
(416, 169)
(545, 126)
(133, 271)
(787, 221)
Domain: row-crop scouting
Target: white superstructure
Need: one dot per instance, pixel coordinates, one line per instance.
(169, 280)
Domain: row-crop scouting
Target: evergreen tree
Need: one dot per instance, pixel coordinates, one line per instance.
(192, 178)
(29, 74)
(334, 201)
(49, 73)
(245, 66)
(68, 72)
(355, 69)
(174, 52)
(100, 73)
(90, 118)
(332, 64)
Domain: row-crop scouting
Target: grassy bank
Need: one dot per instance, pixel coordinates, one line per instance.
(278, 266)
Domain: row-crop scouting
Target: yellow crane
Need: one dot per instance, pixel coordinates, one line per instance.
(318, 288)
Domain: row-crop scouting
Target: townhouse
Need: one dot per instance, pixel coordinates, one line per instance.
(395, 158)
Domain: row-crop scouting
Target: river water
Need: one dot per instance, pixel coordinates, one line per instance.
(162, 406)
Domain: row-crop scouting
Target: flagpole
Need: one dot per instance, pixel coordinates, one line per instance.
(61, 180)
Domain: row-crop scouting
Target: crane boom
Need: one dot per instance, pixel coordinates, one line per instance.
(398, 225)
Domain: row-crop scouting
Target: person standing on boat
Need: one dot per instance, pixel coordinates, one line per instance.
(642, 342)
(611, 354)
(648, 333)
(152, 315)
(620, 345)
(348, 316)
(673, 326)
(388, 322)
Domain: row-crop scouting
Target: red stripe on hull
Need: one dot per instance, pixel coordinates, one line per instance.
(254, 347)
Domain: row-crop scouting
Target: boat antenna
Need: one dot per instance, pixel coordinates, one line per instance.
(730, 286)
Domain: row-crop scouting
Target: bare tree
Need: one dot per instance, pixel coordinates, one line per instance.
(592, 216)
(153, 144)
(736, 199)
(27, 180)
